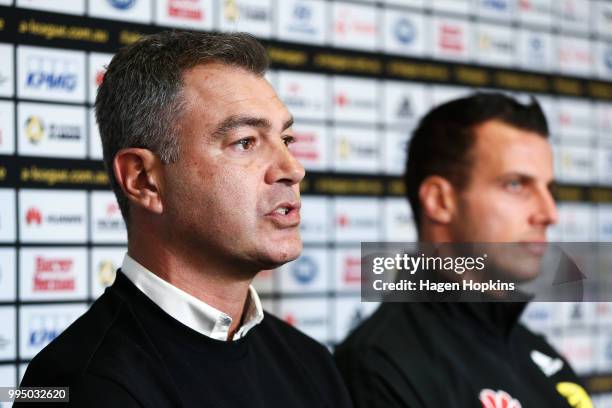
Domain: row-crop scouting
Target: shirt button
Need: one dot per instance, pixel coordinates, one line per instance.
(227, 321)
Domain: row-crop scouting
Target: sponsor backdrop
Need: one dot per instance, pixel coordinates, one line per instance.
(357, 76)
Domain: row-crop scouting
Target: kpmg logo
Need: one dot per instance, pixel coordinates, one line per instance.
(122, 4)
(404, 31)
(52, 74)
(304, 269)
(43, 330)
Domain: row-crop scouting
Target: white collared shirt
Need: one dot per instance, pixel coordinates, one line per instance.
(188, 309)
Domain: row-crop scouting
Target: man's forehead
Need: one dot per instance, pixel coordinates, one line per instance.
(222, 91)
(503, 148)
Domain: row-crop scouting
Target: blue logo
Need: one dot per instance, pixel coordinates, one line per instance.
(608, 58)
(122, 4)
(302, 12)
(304, 269)
(536, 44)
(404, 31)
(52, 80)
(499, 5)
(43, 336)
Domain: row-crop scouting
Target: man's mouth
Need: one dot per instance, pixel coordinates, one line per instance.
(286, 214)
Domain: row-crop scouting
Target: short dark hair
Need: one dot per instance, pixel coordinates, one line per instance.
(441, 143)
(139, 103)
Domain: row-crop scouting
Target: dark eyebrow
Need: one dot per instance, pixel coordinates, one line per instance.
(235, 122)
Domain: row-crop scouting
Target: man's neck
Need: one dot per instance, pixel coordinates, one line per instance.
(210, 284)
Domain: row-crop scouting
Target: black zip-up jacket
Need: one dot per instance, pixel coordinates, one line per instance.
(434, 355)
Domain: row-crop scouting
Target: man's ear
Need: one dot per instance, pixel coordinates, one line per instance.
(438, 199)
(139, 173)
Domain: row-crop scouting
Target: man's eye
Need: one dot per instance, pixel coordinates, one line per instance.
(514, 185)
(288, 140)
(245, 144)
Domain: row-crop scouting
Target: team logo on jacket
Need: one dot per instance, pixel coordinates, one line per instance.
(550, 366)
(498, 399)
(575, 395)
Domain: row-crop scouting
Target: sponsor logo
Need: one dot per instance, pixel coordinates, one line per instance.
(348, 148)
(497, 399)
(187, 9)
(53, 274)
(304, 322)
(451, 38)
(3, 79)
(304, 269)
(233, 12)
(497, 5)
(99, 78)
(608, 58)
(302, 19)
(294, 99)
(106, 272)
(575, 395)
(52, 74)
(122, 4)
(305, 147)
(351, 269)
(488, 42)
(404, 31)
(343, 101)
(33, 216)
(345, 25)
(533, 6)
(404, 108)
(112, 220)
(550, 366)
(44, 329)
(4, 341)
(35, 130)
(345, 221)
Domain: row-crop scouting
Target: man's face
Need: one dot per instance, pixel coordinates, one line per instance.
(233, 196)
(507, 198)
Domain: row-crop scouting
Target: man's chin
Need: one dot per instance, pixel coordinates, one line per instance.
(280, 254)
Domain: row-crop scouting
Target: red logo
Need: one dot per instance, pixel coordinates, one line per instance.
(187, 9)
(53, 274)
(112, 209)
(352, 269)
(497, 399)
(451, 38)
(341, 100)
(100, 76)
(290, 319)
(33, 216)
(305, 148)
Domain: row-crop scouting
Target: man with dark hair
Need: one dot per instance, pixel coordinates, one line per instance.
(195, 142)
(479, 170)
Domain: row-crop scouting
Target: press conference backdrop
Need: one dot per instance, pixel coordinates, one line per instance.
(357, 75)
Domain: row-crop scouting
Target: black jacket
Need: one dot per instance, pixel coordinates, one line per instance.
(433, 355)
(127, 352)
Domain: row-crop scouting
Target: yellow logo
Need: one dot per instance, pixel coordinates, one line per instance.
(344, 148)
(35, 129)
(106, 273)
(575, 395)
(231, 10)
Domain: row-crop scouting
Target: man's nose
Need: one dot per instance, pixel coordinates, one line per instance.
(546, 212)
(285, 168)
